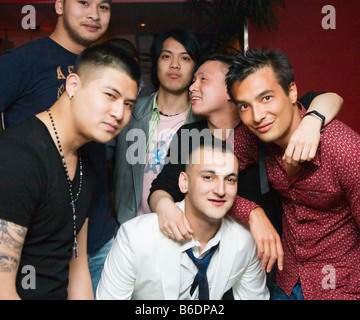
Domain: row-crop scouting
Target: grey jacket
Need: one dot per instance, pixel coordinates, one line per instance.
(129, 150)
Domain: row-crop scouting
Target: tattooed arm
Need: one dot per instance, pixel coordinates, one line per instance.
(12, 238)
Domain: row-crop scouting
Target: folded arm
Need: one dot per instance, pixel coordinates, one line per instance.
(172, 220)
(305, 140)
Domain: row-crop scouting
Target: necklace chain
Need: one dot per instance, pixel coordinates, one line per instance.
(73, 200)
(168, 115)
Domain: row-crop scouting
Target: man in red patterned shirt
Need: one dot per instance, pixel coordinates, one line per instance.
(321, 198)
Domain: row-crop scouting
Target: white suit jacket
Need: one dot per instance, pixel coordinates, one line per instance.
(143, 264)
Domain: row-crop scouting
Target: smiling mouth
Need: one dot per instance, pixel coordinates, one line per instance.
(217, 202)
(264, 127)
(194, 98)
(92, 28)
(111, 127)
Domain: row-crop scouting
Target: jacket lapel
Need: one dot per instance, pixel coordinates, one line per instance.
(142, 116)
(224, 262)
(169, 256)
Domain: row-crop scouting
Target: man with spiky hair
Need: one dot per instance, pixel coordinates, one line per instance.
(47, 183)
(32, 78)
(321, 197)
(37, 71)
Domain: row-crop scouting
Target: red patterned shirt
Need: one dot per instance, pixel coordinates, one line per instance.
(321, 222)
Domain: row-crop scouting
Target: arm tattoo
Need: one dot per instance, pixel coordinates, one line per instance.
(12, 237)
(8, 264)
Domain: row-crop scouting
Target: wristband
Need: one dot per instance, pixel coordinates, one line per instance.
(318, 116)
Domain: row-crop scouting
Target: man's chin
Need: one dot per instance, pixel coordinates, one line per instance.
(264, 137)
(85, 39)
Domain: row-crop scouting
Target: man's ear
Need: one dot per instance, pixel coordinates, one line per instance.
(59, 7)
(72, 84)
(293, 94)
(183, 182)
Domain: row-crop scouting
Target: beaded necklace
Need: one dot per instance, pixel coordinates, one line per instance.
(168, 115)
(73, 200)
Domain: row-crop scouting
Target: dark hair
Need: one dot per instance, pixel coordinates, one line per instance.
(215, 144)
(124, 44)
(254, 60)
(107, 55)
(107, 1)
(186, 37)
(226, 59)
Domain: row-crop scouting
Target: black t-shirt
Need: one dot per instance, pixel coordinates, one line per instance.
(32, 78)
(34, 193)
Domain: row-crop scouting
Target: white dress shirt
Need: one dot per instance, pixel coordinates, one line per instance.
(188, 269)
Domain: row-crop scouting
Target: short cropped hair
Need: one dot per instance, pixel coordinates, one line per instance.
(254, 60)
(124, 44)
(215, 144)
(226, 59)
(107, 55)
(187, 38)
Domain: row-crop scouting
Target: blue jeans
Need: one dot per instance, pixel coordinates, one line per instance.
(96, 262)
(279, 294)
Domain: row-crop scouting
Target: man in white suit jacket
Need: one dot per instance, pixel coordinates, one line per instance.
(144, 264)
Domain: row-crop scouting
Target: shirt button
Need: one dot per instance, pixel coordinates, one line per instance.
(300, 244)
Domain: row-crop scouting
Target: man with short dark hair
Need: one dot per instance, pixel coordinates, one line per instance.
(45, 65)
(210, 99)
(47, 183)
(321, 197)
(34, 75)
(155, 120)
(145, 264)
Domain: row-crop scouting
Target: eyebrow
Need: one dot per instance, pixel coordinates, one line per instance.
(213, 172)
(169, 51)
(265, 92)
(201, 73)
(114, 89)
(119, 93)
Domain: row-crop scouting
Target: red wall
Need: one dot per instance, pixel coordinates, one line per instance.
(323, 60)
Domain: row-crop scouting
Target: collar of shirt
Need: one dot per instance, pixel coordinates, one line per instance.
(188, 269)
(195, 245)
(155, 119)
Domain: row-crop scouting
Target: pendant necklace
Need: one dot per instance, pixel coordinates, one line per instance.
(73, 200)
